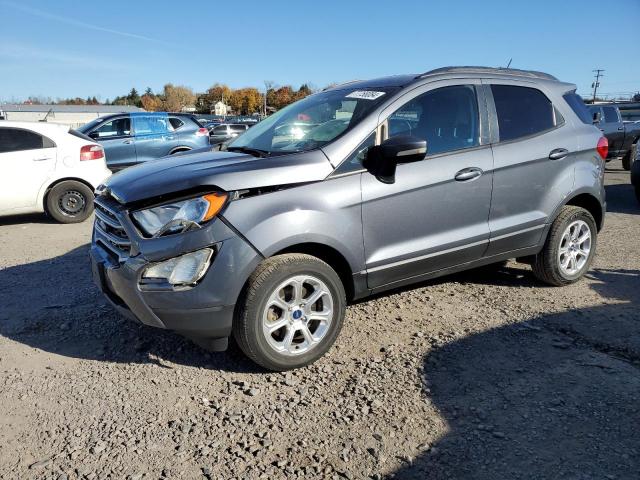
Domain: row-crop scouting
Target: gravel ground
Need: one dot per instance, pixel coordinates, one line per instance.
(487, 374)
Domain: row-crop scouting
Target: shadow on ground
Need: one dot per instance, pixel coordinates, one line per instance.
(557, 396)
(621, 198)
(26, 218)
(54, 306)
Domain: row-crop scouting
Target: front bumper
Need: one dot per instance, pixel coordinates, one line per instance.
(203, 311)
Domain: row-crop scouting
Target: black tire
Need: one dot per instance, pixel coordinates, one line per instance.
(546, 266)
(630, 157)
(70, 202)
(637, 189)
(272, 272)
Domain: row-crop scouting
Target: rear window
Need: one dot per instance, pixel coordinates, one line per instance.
(522, 111)
(579, 108)
(17, 139)
(238, 128)
(175, 123)
(610, 114)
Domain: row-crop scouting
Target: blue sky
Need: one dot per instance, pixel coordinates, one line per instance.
(79, 48)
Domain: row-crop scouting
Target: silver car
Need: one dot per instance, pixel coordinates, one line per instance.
(352, 191)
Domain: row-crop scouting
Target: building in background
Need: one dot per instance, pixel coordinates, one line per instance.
(73, 115)
(220, 108)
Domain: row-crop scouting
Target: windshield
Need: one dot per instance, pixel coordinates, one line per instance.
(312, 122)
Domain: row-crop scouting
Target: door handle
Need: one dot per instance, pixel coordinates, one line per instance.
(558, 153)
(128, 142)
(467, 174)
(620, 128)
(41, 159)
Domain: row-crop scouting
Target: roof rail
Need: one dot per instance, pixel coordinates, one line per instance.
(503, 71)
(329, 87)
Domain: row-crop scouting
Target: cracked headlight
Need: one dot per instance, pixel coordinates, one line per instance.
(183, 270)
(179, 216)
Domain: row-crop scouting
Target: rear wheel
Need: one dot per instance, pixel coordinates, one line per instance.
(70, 202)
(630, 157)
(569, 249)
(291, 312)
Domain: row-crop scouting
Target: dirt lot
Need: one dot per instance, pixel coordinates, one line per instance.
(487, 374)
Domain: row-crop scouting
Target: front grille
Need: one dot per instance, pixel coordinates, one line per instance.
(109, 231)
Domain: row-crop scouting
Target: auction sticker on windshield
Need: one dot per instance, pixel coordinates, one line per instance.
(365, 94)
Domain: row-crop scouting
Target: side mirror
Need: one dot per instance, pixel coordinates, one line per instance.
(383, 159)
(596, 117)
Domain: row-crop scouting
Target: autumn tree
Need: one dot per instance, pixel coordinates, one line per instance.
(175, 98)
(245, 101)
(150, 102)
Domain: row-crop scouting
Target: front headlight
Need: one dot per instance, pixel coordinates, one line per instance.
(184, 270)
(179, 216)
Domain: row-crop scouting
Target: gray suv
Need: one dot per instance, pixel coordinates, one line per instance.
(397, 180)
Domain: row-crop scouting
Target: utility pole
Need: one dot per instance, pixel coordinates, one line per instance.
(596, 83)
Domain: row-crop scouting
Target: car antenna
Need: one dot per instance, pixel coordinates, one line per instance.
(509, 64)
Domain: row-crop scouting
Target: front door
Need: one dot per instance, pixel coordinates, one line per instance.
(117, 140)
(436, 213)
(27, 160)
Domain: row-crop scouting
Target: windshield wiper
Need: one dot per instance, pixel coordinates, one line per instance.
(256, 152)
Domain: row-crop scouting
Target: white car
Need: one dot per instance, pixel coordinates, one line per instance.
(45, 167)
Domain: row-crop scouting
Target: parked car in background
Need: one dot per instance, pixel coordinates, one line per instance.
(635, 176)
(267, 240)
(622, 136)
(133, 138)
(227, 131)
(45, 167)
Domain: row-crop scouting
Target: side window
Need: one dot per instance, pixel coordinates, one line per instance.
(353, 163)
(118, 127)
(16, 140)
(150, 125)
(522, 111)
(447, 118)
(610, 114)
(175, 124)
(220, 130)
(579, 108)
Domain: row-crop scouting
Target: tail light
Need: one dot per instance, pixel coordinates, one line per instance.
(91, 152)
(603, 147)
(202, 132)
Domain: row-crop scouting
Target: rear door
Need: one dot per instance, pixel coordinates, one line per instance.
(116, 137)
(533, 151)
(153, 137)
(27, 160)
(613, 128)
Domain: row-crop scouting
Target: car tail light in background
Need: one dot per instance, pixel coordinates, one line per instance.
(201, 132)
(91, 152)
(603, 147)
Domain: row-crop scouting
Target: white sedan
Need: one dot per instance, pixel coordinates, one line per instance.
(45, 167)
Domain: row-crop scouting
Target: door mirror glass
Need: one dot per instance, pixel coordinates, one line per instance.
(383, 159)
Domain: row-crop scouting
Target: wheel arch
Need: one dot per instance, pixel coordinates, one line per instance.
(46, 190)
(590, 203)
(329, 255)
(181, 148)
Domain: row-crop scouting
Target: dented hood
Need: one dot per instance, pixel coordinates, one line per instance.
(223, 170)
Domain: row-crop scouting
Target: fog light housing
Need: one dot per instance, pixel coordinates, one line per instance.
(183, 270)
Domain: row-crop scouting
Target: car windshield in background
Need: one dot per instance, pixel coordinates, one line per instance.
(311, 122)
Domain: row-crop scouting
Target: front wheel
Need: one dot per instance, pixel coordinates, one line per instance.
(570, 247)
(290, 313)
(70, 202)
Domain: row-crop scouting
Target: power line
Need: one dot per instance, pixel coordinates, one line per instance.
(596, 84)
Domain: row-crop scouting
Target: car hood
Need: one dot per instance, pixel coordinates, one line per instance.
(222, 170)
